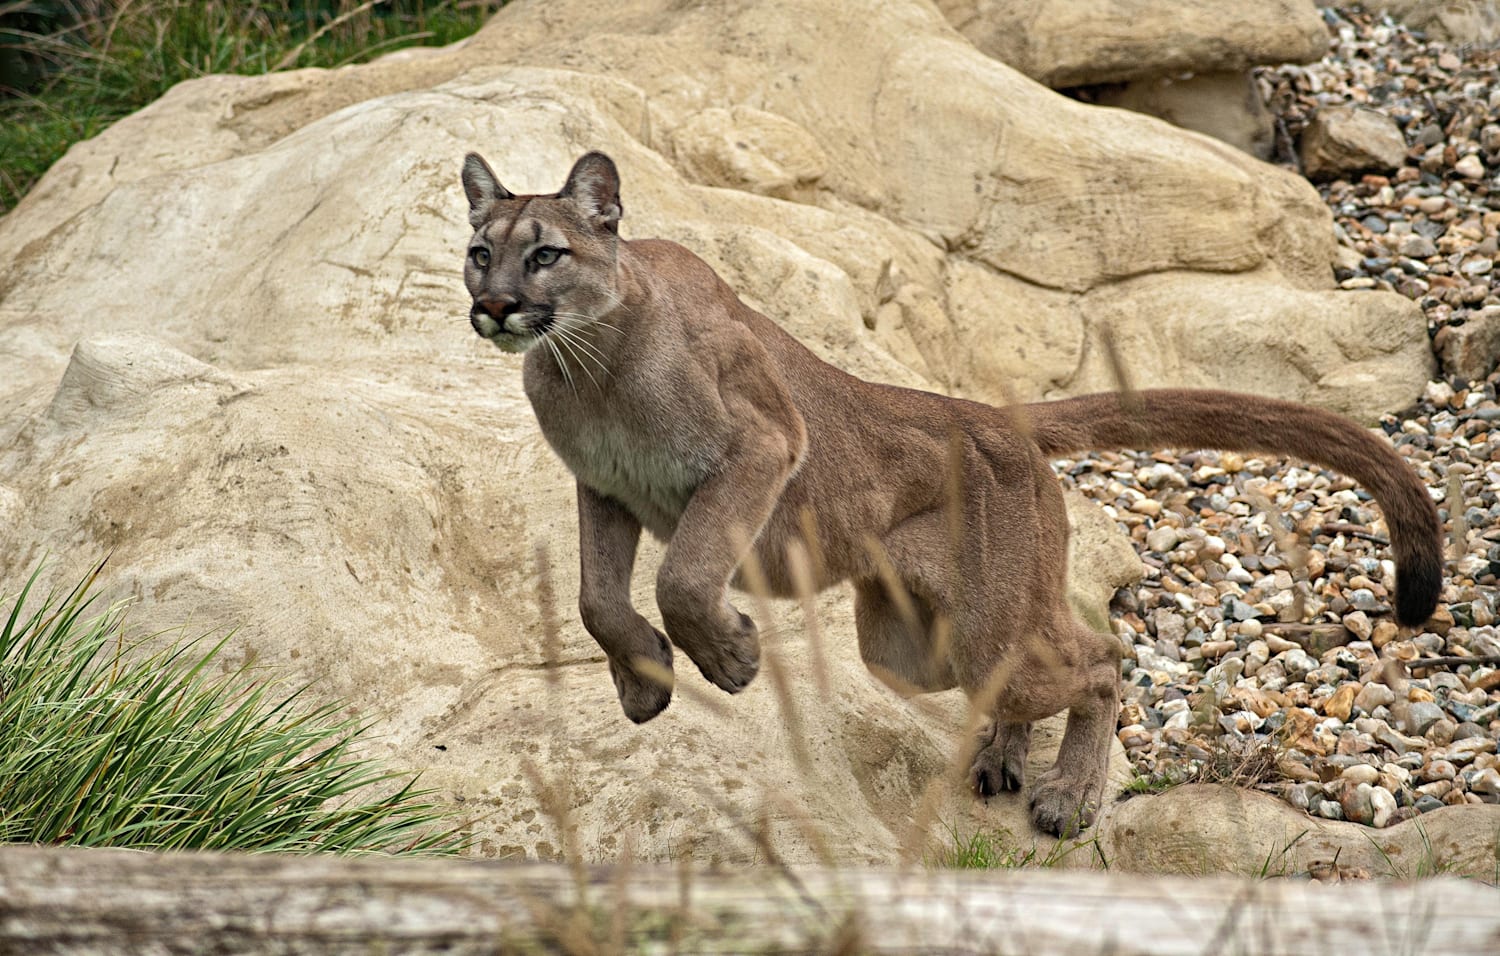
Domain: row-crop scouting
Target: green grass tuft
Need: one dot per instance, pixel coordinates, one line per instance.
(100, 747)
(70, 68)
(999, 850)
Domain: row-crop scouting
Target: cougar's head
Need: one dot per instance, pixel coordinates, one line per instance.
(539, 264)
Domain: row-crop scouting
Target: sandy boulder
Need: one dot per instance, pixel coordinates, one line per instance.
(1084, 42)
(234, 354)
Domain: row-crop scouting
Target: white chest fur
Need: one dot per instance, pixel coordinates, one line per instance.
(639, 467)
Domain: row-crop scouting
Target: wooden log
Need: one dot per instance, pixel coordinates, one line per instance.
(85, 902)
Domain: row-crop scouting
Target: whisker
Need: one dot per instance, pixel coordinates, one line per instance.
(581, 350)
(565, 340)
(619, 301)
(567, 376)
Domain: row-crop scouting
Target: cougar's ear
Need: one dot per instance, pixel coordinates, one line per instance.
(594, 184)
(482, 189)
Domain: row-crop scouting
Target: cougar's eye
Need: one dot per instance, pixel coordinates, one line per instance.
(481, 256)
(546, 255)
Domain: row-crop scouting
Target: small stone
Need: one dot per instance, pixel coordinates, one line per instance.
(1383, 633)
(1360, 773)
(1280, 645)
(1414, 717)
(1486, 781)
(1339, 703)
(1297, 664)
(1468, 731)
(1437, 770)
(1428, 804)
(1358, 623)
(1383, 803)
(1442, 731)
(1363, 599)
(1251, 628)
(1394, 777)
(1357, 804)
(1470, 167)
(1171, 626)
(1417, 247)
(1240, 611)
(1342, 140)
(1331, 810)
(1163, 539)
(1134, 737)
(1302, 795)
(1147, 506)
(1373, 695)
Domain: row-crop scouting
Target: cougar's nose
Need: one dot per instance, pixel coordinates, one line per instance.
(497, 308)
(488, 315)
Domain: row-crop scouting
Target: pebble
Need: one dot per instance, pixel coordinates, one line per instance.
(1470, 167)
(1486, 781)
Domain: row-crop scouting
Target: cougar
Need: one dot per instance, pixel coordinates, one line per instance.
(682, 411)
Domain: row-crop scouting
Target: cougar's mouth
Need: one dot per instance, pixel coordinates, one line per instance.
(532, 328)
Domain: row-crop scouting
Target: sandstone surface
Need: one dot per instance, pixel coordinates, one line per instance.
(234, 355)
(1207, 828)
(1460, 21)
(1083, 42)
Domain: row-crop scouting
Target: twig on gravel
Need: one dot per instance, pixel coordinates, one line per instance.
(1353, 530)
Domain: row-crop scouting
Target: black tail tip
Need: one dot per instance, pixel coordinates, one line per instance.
(1418, 586)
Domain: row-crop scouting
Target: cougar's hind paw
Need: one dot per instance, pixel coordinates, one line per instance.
(992, 773)
(1063, 807)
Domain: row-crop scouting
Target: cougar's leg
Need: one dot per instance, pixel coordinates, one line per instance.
(725, 514)
(1066, 798)
(608, 536)
(1069, 667)
(897, 644)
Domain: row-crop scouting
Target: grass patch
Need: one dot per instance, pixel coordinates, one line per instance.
(99, 747)
(999, 850)
(70, 68)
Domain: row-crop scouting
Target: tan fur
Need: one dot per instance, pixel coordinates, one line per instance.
(682, 411)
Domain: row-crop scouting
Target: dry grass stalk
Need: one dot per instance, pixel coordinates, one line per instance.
(1020, 419)
(1130, 399)
(754, 578)
(546, 599)
(1290, 546)
(1453, 501)
(655, 672)
(799, 562)
(808, 521)
(890, 579)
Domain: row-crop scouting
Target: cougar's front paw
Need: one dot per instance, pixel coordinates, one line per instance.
(644, 695)
(1063, 807)
(731, 662)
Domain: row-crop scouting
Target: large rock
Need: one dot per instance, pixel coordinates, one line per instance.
(1084, 42)
(1461, 21)
(391, 543)
(1186, 63)
(1208, 828)
(234, 355)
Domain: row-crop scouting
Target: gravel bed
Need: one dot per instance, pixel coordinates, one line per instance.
(1261, 647)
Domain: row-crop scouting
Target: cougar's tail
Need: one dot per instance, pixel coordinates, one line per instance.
(1192, 418)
